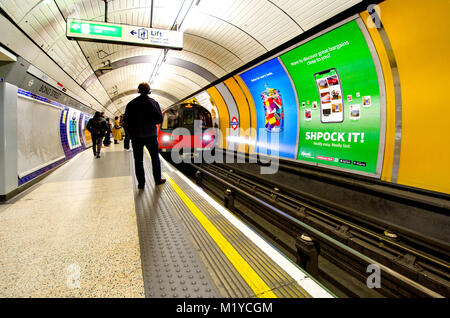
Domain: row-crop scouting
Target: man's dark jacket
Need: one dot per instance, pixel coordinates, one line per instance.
(97, 126)
(141, 117)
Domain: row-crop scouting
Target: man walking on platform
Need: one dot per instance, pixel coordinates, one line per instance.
(97, 127)
(141, 116)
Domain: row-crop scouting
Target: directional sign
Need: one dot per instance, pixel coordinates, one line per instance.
(96, 31)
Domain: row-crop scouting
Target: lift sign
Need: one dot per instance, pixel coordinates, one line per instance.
(94, 31)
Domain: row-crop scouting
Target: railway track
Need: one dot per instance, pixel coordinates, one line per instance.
(335, 247)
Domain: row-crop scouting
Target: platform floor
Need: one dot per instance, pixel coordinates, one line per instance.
(74, 234)
(87, 231)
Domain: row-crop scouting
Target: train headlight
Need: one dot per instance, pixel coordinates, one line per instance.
(207, 137)
(166, 138)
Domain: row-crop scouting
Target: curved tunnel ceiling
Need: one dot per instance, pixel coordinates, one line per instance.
(144, 59)
(219, 37)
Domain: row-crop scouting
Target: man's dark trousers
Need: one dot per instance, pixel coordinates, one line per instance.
(96, 144)
(138, 152)
(126, 143)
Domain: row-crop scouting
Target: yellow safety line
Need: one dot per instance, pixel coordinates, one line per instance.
(247, 272)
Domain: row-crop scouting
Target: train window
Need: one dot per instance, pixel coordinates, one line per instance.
(205, 117)
(188, 117)
(170, 119)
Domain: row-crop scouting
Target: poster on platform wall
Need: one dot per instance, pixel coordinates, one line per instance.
(38, 135)
(85, 134)
(276, 108)
(339, 100)
(72, 122)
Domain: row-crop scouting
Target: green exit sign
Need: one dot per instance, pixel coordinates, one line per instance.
(90, 28)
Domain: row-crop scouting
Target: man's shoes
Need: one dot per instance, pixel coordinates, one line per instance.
(98, 156)
(161, 181)
(141, 186)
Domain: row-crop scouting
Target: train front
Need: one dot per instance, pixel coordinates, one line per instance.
(186, 129)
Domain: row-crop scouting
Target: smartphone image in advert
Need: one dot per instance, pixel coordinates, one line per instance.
(330, 93)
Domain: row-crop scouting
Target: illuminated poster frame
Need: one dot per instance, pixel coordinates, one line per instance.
(72, 125)
(363, 107)
(276, 110)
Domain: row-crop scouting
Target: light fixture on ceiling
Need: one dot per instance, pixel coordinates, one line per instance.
(106, 67)
(183, 11)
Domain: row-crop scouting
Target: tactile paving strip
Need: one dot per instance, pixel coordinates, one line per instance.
(228, 280)
(170, 263)
(280, 282)
(174, 243)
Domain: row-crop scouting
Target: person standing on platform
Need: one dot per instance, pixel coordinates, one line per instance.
(117, 130)
(107, 140)
(142, 115)
(126, 141)
(121, 126)
(97, 127)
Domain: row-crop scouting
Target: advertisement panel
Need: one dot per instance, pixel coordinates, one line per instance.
(276, 107)
(38, 136)
(339, 100)
(73, 119)
(85, 134)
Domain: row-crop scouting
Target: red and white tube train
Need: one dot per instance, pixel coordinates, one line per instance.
(186, 126)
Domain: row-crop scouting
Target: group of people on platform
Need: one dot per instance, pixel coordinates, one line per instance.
(101, 131)
(139, 122)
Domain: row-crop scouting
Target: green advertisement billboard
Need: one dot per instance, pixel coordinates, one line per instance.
(339, 100)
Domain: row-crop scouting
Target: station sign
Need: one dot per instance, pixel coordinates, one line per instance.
(234, 123)
(96, 31)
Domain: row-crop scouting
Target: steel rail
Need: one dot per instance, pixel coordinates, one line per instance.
(345, 222)
(323, 237)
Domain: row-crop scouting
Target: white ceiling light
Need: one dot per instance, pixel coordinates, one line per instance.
(178, 23)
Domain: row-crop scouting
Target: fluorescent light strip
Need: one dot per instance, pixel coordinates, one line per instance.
(302, 278)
